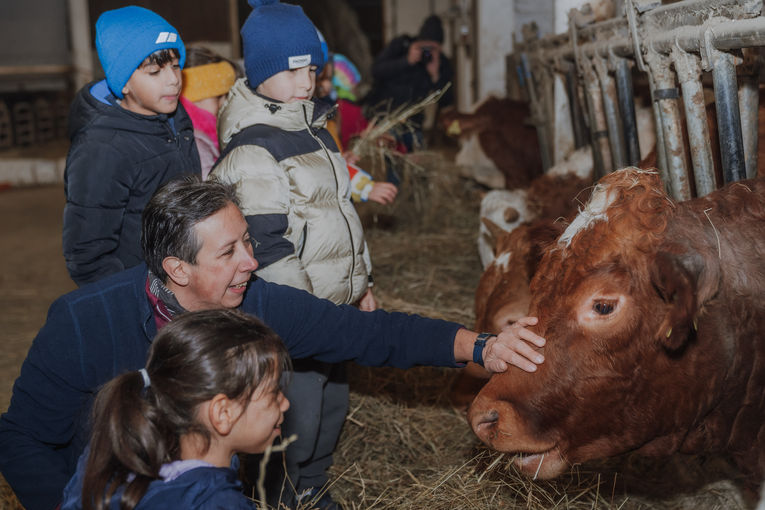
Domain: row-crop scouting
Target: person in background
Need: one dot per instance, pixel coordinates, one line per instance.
(167, 435)
(207, 79)
(129, 136)
(337, 85)
(406, 71)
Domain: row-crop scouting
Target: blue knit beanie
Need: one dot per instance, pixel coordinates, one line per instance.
(126, 36)
(277, 37)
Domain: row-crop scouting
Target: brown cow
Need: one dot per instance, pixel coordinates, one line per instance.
(654, 317)
(499, 149)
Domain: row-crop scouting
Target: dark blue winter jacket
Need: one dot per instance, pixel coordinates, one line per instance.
(104, 329)
(200, 488)
(116, 162)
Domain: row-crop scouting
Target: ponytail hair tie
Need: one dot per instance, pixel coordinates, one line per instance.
(146, 380)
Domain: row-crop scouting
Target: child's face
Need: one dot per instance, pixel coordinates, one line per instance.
(324, 81)
(289, 86)
(153, 89)
(260, 422)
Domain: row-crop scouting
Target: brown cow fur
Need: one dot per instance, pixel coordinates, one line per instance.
(502, 295)
(655, 326)
(555, 197)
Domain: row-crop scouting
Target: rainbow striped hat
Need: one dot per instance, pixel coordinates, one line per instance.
(345, 77)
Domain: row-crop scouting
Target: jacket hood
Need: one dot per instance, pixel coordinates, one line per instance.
(95, 107)
(244, 108)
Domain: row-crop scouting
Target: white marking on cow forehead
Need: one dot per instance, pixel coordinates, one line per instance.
(594, 211)
(502, 260)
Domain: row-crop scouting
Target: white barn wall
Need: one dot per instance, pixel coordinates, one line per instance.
(406, 16)
(496, 19)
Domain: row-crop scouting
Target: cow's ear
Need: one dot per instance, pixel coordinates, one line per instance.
(541, 235)
(675, 280)
(495, 232)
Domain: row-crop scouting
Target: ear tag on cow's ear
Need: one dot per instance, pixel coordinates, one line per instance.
(669, 332)
(454, 128)
(695, 324)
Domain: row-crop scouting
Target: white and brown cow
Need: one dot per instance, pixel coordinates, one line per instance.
(553, 196)
(654, 315)
(502, 295)
(498, 148)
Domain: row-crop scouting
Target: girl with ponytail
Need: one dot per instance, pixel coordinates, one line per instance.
(166, 436)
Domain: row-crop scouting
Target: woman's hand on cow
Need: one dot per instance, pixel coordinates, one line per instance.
(514, 346)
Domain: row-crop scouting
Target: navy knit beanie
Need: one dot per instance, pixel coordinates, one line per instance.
(126, 36)
(431, 30)
(277, 37)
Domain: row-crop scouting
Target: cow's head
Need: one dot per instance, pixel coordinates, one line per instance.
(618, 299)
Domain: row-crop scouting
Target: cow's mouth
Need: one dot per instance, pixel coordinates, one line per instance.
(543, 465)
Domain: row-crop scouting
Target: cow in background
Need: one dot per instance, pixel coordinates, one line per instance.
(551, 196)
(501, 206)
(502, 295)
(499, 149)
(654, 317)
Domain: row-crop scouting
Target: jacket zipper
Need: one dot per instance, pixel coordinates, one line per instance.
(337, 193)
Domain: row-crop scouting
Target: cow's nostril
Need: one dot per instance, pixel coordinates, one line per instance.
(487, 420)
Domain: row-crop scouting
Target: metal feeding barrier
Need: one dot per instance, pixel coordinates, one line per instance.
(671, 50)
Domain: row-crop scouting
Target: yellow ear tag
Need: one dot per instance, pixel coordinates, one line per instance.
(454, 128)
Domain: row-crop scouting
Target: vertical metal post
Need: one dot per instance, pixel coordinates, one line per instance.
(749, 106)
(611, 109)
(688, 69)
(626, 95)
(537, 113)
(79, 39)
(728, 116)
(666, 95)
(598, 131)
(577, 121)
(661, 147)
(546, 85)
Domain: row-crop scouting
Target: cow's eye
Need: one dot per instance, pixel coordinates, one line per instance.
(603, 308)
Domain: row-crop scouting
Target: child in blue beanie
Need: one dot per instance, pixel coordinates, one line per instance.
(129, 136)
(295, 193)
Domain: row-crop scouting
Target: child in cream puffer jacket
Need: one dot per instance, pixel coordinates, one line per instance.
(295, 194)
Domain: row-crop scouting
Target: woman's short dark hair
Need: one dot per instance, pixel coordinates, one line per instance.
(171, 214)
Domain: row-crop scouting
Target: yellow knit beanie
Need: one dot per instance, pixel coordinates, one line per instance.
(209, 80)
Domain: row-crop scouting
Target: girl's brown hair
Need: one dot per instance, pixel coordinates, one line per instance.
(137, 427)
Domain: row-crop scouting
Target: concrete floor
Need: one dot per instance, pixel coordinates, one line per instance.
(32, 271)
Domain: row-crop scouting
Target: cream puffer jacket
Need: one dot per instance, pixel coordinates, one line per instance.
(295, 194)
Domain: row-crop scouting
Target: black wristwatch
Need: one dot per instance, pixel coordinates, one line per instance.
(480, 343)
